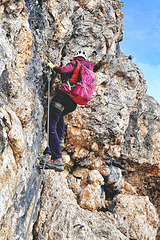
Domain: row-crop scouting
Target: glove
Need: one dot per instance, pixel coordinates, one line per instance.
(50, 64)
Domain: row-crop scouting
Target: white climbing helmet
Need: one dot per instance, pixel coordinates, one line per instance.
(81, 53)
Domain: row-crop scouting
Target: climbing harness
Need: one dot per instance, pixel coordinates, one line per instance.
(46, 156)
(57, 105)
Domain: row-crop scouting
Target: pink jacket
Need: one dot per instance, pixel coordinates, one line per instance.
(67, 71)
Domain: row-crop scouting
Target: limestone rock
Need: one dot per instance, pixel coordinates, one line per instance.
(90, 197)
(87, 186)
(61, 217)
(112, 144)
(144, 134)
(21, 112)
(136, 216)
(128, 189)
(14, 130)
(113, 182)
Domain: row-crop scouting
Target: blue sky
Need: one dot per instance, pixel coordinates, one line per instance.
(142, 40)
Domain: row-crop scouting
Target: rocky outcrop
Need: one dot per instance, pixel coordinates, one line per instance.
(63, 218)
(60, 217)
(110, 188)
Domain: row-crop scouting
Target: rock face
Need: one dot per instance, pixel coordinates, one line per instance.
(63, 218)
(110, 188)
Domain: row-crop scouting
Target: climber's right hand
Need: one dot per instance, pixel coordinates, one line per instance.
(50, 64)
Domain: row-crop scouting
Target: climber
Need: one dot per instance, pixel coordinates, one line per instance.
(60, 105)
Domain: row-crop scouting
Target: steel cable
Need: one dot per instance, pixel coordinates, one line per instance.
(47, 156)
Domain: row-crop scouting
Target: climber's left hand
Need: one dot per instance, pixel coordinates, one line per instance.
(51, 65)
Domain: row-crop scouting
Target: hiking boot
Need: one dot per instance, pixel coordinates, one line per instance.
(56, 164)
(61, 143)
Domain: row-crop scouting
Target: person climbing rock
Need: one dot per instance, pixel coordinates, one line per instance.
(61, 105)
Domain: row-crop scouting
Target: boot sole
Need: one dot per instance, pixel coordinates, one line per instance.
(56, 168)
(52, 167)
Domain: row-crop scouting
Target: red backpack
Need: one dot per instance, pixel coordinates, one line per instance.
(83, 91)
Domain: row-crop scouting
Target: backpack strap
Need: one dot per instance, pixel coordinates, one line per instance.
(75, 74)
